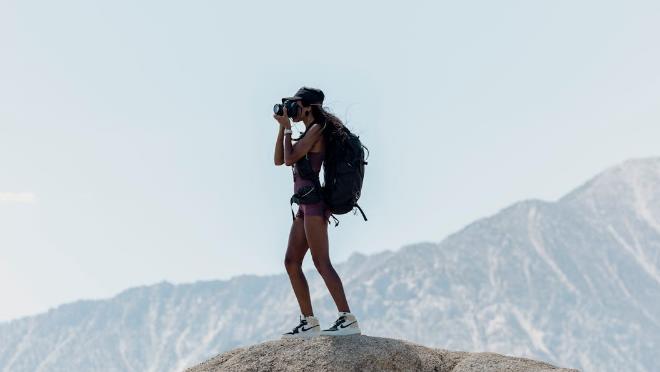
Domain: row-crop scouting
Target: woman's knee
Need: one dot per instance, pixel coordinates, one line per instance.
(323, 267)
(291, 263)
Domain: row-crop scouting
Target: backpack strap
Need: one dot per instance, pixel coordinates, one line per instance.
(363, 216)
(317, 184)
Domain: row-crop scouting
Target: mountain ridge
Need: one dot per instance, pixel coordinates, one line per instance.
(548, 280)
(355, 255)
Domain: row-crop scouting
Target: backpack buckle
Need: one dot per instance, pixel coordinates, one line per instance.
(308, 194)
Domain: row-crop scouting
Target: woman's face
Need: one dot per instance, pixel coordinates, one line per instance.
(301, 111)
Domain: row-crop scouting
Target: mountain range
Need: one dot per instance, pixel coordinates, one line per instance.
(573, 282)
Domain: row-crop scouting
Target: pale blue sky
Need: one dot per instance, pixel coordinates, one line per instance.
(136, 138)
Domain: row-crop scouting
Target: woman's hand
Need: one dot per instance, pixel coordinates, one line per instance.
(283, 119)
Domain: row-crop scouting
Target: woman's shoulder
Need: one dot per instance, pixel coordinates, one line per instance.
(319, 145)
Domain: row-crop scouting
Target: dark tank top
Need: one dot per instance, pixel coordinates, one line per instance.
(316, 159)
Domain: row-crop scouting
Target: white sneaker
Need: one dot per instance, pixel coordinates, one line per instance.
(346, 324)
(308, 327)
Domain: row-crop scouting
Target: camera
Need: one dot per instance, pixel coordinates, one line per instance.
(291, 108)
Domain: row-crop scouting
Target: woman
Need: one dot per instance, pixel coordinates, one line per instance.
(310, 225)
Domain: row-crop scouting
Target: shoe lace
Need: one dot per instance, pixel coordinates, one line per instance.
(339, 321)
(302, 323)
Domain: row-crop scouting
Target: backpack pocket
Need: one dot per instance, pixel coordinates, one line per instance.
(308, 194)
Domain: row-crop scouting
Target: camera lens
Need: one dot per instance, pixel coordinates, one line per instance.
(291, 108)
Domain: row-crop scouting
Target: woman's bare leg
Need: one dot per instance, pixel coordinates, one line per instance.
(295, 253)
(316, 231)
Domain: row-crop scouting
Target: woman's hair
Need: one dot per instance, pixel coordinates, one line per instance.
(335, 131)
(334, 128)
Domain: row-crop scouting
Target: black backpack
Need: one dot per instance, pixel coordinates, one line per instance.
(343, 174)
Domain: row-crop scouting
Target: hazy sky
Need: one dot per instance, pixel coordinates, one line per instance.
(136, 138)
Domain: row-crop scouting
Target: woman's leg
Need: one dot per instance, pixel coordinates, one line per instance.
(316, 231)
(295, 253)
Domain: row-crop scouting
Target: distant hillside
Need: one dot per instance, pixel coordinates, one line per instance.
(573, 283)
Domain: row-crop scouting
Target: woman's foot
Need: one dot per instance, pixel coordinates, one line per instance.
(346, 324)
(308, 327)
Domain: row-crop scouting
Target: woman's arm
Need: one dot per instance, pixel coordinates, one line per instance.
(288, 152)
(293, 153)
(279, 147)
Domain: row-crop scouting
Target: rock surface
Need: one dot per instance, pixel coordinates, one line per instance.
(363, 353)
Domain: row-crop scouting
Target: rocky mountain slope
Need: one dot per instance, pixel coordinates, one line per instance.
(574, 282)
(363, 353)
